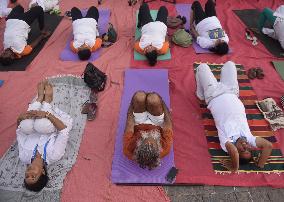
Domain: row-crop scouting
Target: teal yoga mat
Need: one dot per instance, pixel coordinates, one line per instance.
(138, 56)
(279, 66)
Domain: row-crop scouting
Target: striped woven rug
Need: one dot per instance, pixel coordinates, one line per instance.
(258, 125)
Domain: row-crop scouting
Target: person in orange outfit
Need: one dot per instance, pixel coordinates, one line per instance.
(85, 31)
(17, 30)
(153, 41)
(148, 133)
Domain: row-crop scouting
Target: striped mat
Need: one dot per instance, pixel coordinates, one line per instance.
(258, 125)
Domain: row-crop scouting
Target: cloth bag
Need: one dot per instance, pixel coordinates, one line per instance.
(182, 38)
(94, 78)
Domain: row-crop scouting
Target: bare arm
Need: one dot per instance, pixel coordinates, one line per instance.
(193, 32)
(130, 120)
(234, 155)
(167, 118)
(266, 147)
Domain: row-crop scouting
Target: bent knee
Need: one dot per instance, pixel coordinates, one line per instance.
(139, 97)
(153, 99)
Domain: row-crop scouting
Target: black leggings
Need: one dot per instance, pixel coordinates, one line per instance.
(199, 14)
(92, 13)
(144, 16)
(29, 17)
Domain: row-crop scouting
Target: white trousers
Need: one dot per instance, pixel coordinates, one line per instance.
(4, 10)
(42, 126)
(207, 85)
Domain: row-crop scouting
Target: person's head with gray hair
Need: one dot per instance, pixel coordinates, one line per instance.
(147, 152)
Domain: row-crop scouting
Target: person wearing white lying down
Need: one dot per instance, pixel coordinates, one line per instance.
(230, 117)
(47, 5)
(42, 136)
(277, 19)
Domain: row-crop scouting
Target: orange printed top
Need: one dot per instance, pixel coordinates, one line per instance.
(130, 139)
(27, 50)
(161, 51)
(97, 45)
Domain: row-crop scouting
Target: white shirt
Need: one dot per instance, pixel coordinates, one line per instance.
(230, 119)
(206, 29)
(4, 10)
(85, 31)
(153, 33)
(278, 31)
(46, 5)
(16, 35)
(57, 141)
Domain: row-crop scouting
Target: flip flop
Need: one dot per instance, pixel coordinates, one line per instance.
(92, 109)
(252, 73)
(259, 73)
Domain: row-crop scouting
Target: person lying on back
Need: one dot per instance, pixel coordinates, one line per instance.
(16, 33)
(148, 133)
(276, 18)
(230, 116)
(86, 33)
(153, 41)
(206, 28)
(47, 5)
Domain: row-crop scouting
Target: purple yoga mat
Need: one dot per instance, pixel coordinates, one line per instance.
(123, 169)
(185, 10)
(68, 55)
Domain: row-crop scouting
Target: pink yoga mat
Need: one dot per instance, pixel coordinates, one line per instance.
(123, 169)
(68, 55)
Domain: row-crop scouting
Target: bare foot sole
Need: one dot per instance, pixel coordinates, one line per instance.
(48, 93)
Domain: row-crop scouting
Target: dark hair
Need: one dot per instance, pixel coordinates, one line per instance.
(221, 48)
(152, 57)
(6, 61)
(244, 161)
(39, 184)
(84, 54)
(13, 1)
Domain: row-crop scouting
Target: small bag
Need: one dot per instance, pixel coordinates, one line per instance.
(176, 22)
(111, 34)
(94, 78)
(182, 38)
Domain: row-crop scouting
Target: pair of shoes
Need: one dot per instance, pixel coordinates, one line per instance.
(90, 106)
(250, 36)
(255, 73)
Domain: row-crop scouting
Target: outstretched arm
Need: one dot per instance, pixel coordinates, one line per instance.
(266, 147)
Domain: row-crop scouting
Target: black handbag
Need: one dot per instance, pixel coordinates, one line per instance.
(94, 78)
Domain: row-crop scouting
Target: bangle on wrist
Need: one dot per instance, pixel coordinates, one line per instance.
(47, 115)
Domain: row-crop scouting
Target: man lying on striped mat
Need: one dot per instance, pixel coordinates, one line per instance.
(230, 117)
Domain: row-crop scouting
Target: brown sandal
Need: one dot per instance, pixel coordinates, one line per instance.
(259, 73)
(252, 73)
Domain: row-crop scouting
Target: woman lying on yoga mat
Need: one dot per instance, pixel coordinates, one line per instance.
(148, 133)
(47, 5)
(230, 116)
(153, 41)
(16, 33)
(277, 20)
(42, 136)
(86, 33)
(207, 29)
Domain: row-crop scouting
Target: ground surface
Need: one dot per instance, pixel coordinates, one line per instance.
(219, 193)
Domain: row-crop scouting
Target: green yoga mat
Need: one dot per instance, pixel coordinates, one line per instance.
(138, 56)
(250, 18)
(279, 66)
